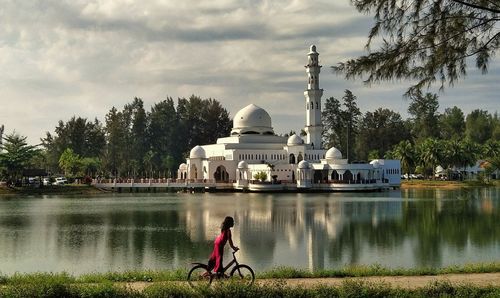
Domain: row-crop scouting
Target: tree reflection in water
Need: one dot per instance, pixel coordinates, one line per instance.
(164, 231)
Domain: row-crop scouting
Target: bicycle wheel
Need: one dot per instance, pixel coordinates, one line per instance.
(199, 275)
(244, 274)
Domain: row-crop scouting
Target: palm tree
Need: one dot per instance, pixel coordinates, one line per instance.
(405, 152)
(491, 149)
(454, 154)
(471, 152)
(431, 152)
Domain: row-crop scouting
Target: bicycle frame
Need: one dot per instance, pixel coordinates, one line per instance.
(233, 261)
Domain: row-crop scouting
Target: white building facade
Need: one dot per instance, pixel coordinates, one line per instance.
(254, 158)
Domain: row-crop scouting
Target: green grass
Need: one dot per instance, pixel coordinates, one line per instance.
(377, 270)
(276, 273)
(348, 288)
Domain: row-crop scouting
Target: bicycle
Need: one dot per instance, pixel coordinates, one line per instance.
(200, 273)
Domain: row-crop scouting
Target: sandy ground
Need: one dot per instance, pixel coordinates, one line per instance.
(408, 282)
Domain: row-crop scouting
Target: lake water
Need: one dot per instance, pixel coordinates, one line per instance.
(116, 232)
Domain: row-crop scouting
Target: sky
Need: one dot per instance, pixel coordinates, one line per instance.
(64, 58)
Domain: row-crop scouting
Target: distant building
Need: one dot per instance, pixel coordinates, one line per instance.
(292, 163)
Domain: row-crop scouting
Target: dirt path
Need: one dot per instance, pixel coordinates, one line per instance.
(408, 282)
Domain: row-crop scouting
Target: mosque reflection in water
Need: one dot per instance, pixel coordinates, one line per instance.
(404, 228)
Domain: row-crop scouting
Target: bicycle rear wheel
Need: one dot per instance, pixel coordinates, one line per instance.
(244, 274)
(199, 275)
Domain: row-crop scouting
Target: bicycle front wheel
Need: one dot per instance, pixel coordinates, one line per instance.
(244, 274)
(199, 275)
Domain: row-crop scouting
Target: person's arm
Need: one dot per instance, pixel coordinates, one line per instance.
(230, 238)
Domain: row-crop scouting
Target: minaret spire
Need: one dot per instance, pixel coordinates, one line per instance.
(313, 94)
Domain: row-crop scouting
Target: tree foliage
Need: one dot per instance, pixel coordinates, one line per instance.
(85, 138)
(452, 123)
(341, 124)
(479, 126)
(16, 155)
(426, 40)
(424, 112)
(378, 132)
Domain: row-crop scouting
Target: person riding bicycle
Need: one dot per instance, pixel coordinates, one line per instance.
(215, 261)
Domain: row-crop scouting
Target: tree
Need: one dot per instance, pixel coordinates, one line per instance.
(201, 121)
(137, 139)
(262, 176)
(378, 132)
(70, 163)
(216, 121)
(479, 126)
(426, 40)
(116, 133)
(341, 125)
(332, 122)
(163, 133)
(16, 155)
(85, 138)
(452, 123)
(405, 152)
(430, 153)
(350, 116)
(424, 108)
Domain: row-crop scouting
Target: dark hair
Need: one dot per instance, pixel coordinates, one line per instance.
(227, 223)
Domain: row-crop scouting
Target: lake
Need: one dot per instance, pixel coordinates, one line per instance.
(117, 232)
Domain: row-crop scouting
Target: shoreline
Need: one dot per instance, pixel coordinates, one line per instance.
(80, 189)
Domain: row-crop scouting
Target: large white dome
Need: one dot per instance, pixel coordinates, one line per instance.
(333, 153)
(252, 120)
(197, 152)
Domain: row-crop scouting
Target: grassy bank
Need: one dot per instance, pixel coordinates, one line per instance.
(447, 184)
(277, 273)
(71, 189)
(277, 288)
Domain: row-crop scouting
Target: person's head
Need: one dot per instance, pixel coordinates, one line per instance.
(227, 223)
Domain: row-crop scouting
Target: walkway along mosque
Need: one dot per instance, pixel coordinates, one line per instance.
(254, 158)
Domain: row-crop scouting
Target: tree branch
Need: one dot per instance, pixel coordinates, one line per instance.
(476, 6)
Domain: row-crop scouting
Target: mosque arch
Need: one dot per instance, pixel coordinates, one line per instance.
(335, 175)
(348, 176)
(221, 174)
(299, 158)
(292, 158)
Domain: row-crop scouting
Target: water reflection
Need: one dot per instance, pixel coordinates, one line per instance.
(396, 229)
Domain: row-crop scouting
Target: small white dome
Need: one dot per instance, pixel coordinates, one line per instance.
(303, 165)
(197, 152)
(183, 166)
(252, 120)
(242, 165)
(375, 164)
(294, 140)
(333, 153)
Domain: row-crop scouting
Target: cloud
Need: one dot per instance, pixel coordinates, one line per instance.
(65, 58)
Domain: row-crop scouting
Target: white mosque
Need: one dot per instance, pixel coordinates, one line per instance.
(254, 158)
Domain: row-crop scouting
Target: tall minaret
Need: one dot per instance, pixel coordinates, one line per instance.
(313, 94)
